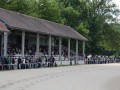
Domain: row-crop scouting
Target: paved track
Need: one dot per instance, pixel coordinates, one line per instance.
(82, 77)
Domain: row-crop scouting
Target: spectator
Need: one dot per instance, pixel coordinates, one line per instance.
(19, 63)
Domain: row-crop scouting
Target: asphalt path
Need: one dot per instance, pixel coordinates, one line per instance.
(80, 77)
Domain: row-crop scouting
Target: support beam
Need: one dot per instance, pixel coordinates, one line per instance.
(60, 49)
(83, 50)
(23, 43)
(2, 44)
(37, 44)
(5, 43)
(76, 51)
(49, 46)
(69, 49)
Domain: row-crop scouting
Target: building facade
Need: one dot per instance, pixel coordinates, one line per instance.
(29, 35)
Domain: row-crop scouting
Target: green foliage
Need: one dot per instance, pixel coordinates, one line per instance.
(83, 29)
(112, 33)
(16, 5)
(2, 3)
(49, 10)
(32, 8)
(71, 16)
(95, 19)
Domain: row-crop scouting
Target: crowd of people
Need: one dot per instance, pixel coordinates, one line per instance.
(14, 60)
(27, 62)
(100, 59)
(14, 49)
(11, 62)
(31, 61)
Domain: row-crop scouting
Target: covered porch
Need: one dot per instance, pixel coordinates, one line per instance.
(28, 31)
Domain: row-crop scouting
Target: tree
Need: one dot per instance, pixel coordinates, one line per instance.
(32, 8)
(71, 16)
(95, 19)
(49, 10)
(2, 3)
(100, 13)
(17, 5)
(112, 37)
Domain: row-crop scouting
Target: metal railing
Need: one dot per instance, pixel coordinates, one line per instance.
(31, 61)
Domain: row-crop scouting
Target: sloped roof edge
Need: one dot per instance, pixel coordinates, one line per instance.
(29, 23)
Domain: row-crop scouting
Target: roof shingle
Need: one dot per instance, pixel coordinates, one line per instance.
(3, 28)
(24, 22)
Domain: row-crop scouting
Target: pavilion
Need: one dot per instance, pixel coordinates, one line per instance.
(16, 22)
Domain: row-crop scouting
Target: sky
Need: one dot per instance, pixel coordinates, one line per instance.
(117, 3)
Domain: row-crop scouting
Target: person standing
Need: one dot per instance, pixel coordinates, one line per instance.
(23, 63)
(6, 63)
(19, 63)
(9, 63)
(13, 62)
(53, 61)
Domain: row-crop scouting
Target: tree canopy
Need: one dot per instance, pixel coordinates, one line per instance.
(97, 20)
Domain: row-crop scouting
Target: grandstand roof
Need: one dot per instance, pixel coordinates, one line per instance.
(27, 23)
(3, 28)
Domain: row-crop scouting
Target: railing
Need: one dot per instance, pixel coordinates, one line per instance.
(102, 61)
(31, 61)
(22, 66)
